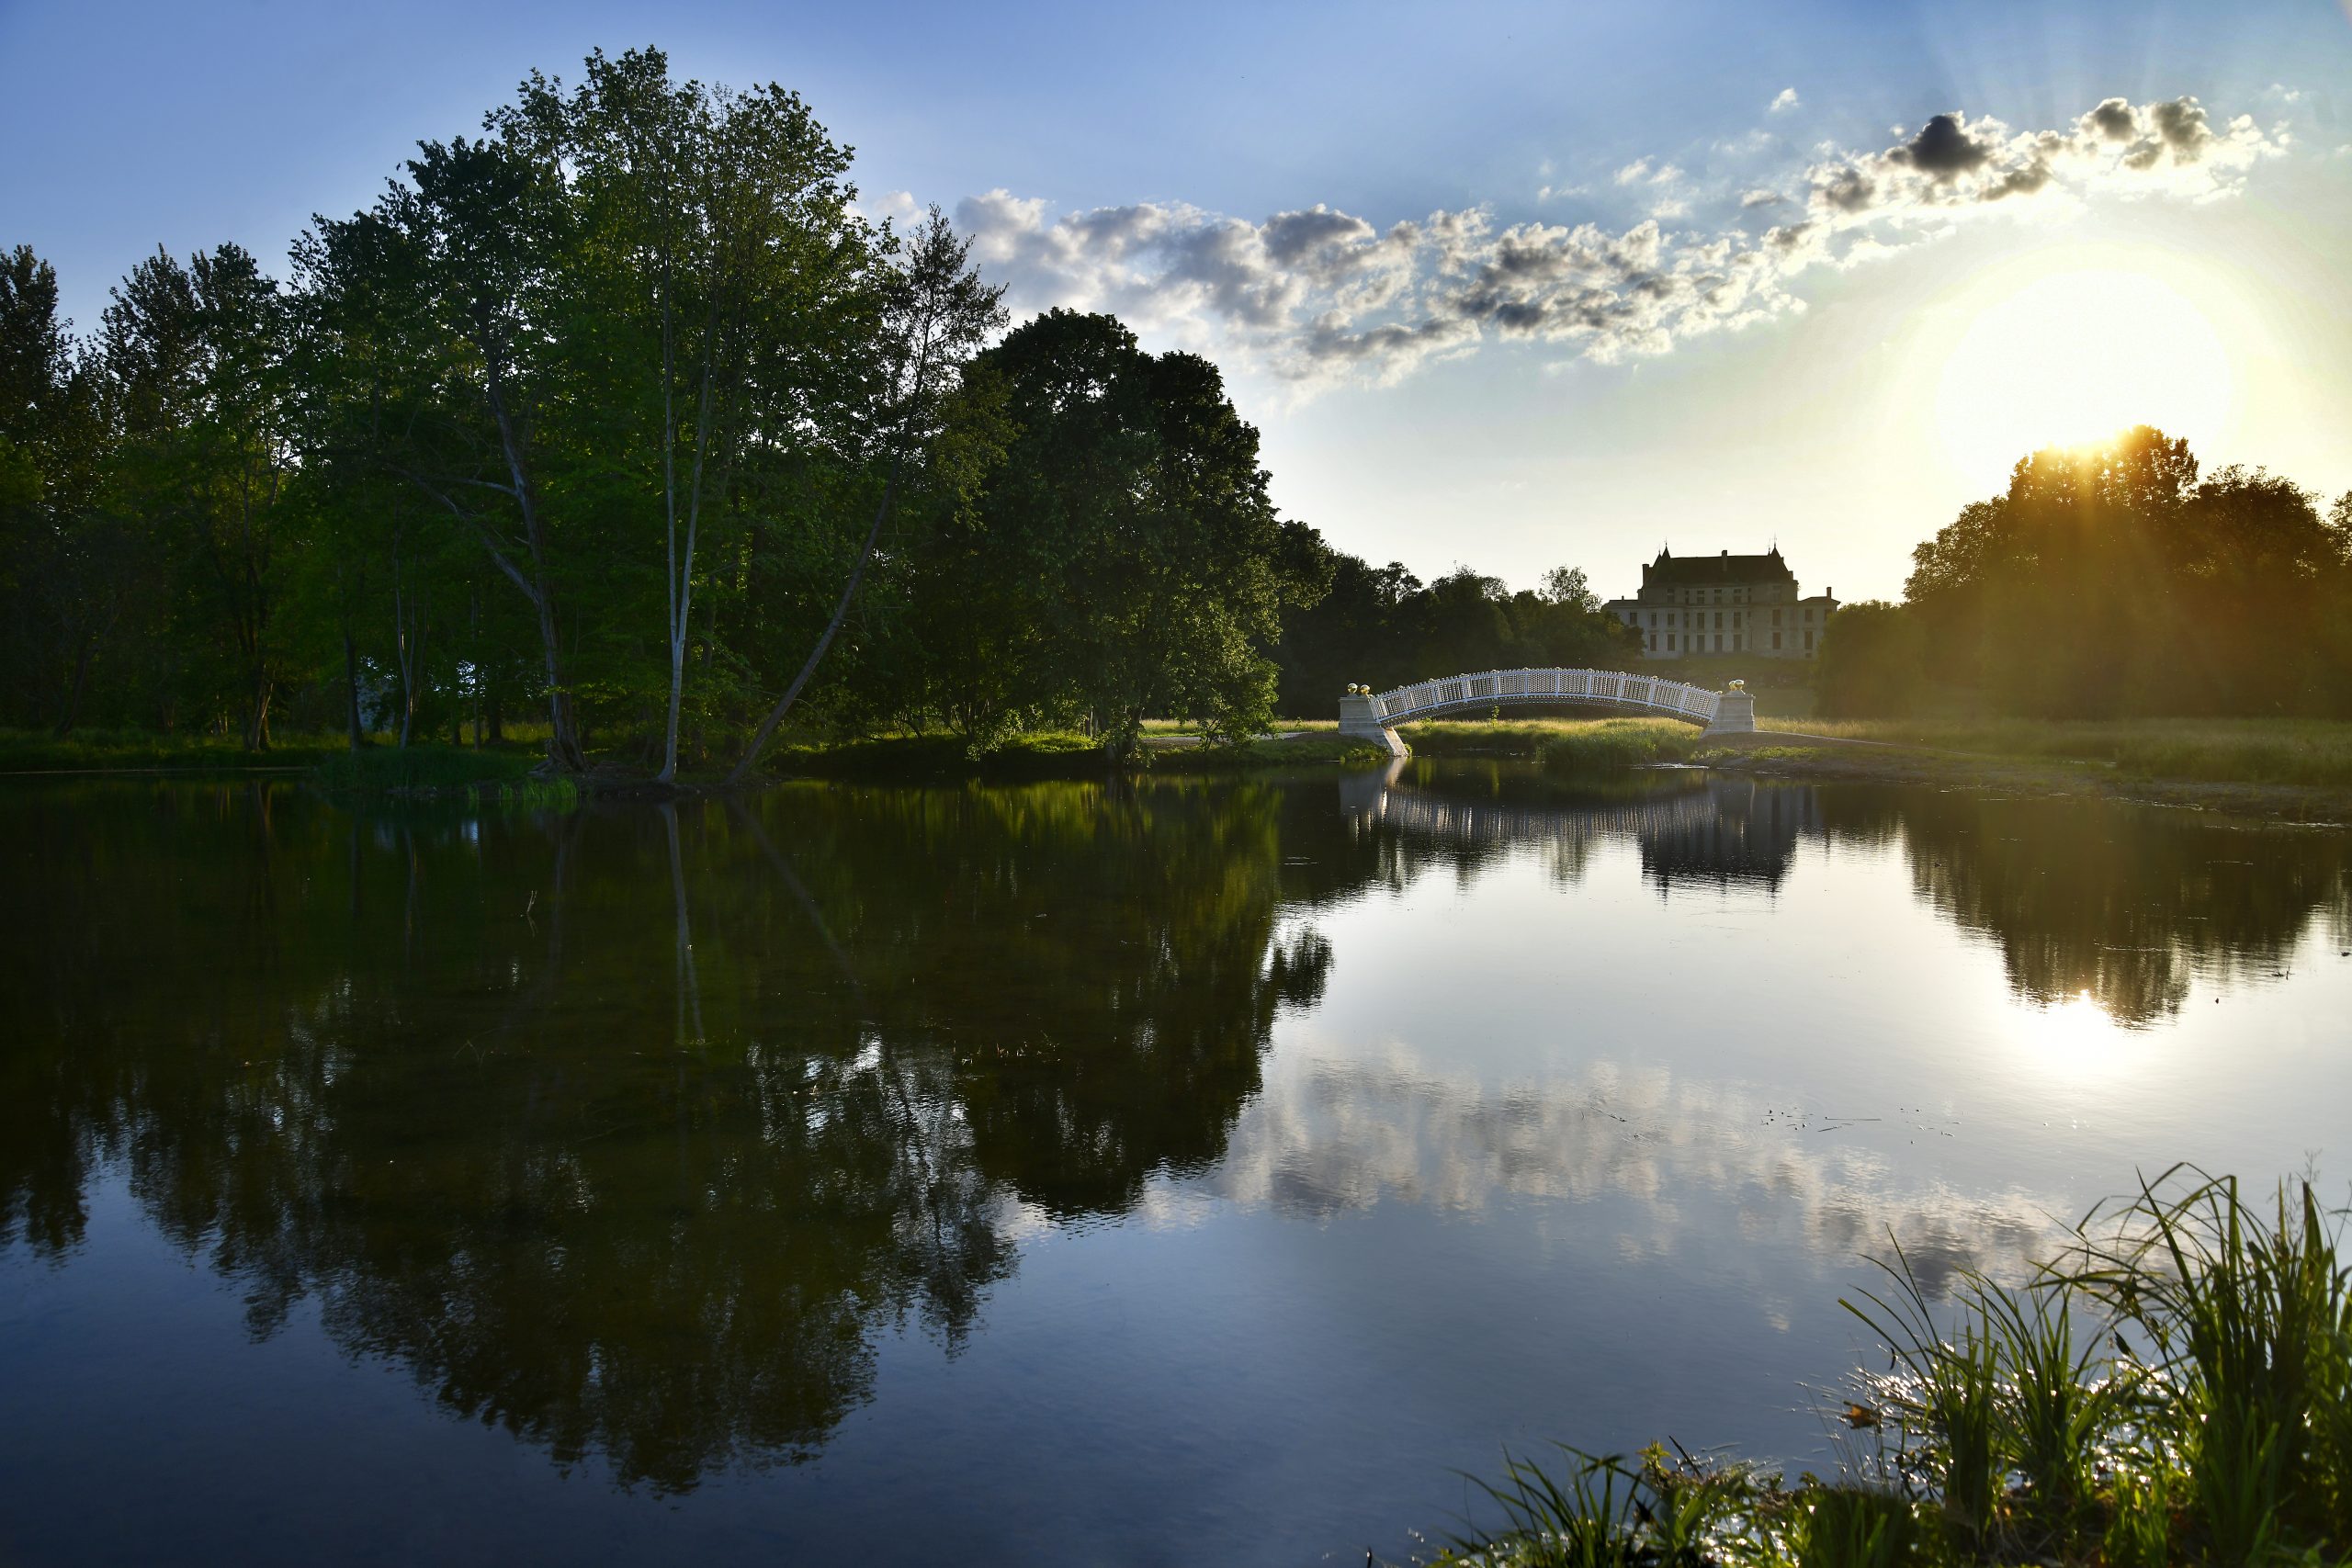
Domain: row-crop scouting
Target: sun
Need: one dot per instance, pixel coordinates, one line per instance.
(2073, 356)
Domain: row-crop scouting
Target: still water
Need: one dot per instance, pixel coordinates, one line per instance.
(1184, 1172)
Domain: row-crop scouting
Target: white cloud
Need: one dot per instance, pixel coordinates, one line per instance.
(1316, 294)
(1786, 100)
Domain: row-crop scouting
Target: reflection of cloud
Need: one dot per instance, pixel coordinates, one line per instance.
(1345, 1135)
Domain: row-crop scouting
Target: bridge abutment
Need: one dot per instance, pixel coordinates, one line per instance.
(1734, 714)
(1360, 720)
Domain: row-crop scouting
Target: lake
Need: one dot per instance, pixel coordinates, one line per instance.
(1183, 1172)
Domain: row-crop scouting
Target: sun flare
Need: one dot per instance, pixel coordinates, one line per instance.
(2073, 357)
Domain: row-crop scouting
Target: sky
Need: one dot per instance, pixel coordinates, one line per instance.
(1508, 286)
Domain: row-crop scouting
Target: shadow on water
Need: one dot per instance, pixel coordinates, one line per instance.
(631, 1130)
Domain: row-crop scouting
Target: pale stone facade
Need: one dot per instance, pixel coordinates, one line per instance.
(1724, 604)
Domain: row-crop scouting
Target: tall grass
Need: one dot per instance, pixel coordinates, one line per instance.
(2173, 1388)
(1563, 744)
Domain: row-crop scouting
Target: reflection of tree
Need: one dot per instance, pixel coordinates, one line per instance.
(633, 1163)
(2082, 896)
(2090, 898)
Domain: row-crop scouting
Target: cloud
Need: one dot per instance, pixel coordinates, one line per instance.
(1786, 100)
(1316, 295)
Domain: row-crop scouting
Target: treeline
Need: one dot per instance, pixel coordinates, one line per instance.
(622, 421)
(1383, 627)
(2112, 581)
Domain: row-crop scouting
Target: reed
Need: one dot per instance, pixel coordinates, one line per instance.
(2172, 1388)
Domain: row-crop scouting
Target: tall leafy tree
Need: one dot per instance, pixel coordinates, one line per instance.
(1130, 519)
(937, 312)
(66, 568)
(196, 360)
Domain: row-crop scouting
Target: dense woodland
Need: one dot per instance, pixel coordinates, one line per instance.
(2112, 580)
(623, 427)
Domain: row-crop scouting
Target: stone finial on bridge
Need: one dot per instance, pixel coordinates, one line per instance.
(1359, 719)
(1734, 712)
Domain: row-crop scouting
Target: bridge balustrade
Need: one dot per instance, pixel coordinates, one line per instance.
(1644, 694)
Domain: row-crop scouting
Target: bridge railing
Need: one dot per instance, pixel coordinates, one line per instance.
(1511, 688)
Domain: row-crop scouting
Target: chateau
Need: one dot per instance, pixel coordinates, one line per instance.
(1724, 604)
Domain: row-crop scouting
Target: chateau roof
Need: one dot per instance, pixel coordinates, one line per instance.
(1672, 570)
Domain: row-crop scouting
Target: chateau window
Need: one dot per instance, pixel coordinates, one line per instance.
(1670, 642)
(1719, 623)
(1653, 642)
(1776, 639)
(1808, 642)
(1776, 621)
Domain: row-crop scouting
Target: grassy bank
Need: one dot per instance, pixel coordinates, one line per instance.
(2234, 751)
(1566, 744)
(109, 750)
(2176, 1387)
(1053, 755)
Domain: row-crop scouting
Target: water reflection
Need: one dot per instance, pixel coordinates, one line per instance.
(632, 1131)
(2113, 902)
(1703, 1164)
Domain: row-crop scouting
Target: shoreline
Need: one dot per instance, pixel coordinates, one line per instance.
(1779, 754)
(1796, 756)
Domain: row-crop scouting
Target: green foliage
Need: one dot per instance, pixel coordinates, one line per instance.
(1114, 555)
(2108, 579)
(103, 751)
(1873, 661)
(1383, 627)
(1565, 745)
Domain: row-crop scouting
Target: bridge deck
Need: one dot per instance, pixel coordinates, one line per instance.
(1514, 688)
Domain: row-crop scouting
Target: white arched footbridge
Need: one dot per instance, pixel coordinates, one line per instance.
(1374, 715)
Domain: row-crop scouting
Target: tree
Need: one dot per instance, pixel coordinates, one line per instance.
(1127, 531)
(1872, 662)
(195, 361)
(731, 284)
(938, 311)
(65, 569)
(1568, 586)
(2110, 579)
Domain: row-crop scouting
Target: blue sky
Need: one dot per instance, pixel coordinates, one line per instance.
(1504, 383)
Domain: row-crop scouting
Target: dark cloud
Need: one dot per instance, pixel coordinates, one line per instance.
(1943, 148)
(2113, 119)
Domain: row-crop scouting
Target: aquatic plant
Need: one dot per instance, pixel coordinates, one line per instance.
(2174, 1387)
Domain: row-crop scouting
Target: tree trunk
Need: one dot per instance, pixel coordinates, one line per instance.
(351, 688)
(65, 720)
(257, 724)
(761, 737)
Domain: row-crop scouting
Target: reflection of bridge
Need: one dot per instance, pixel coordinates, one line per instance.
(1719, 830)
(1373, 717)
(1428, 815)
